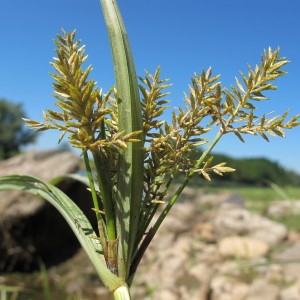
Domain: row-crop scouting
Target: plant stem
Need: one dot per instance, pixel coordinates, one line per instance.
(92, 185)
(105, 187)
(122, 293)
(149, 214)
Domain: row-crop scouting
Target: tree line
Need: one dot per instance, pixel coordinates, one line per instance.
(13, 133)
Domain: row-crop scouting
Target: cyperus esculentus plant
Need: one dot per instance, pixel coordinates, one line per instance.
(136, 153)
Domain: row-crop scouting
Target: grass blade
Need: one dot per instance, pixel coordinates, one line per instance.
(130, 168)
(74, 217)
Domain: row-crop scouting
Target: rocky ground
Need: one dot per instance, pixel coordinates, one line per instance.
(209, 248)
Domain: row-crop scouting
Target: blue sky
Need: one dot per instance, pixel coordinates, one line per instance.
(182, 37)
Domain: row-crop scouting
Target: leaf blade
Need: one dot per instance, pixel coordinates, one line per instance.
(76, 219)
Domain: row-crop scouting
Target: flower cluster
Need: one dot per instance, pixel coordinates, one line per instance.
(168, 146)
(89, 116)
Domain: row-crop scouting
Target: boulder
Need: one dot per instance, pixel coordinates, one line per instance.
(263, 289)
(291, 258)
(238, 221)
(31, 230)
(284, 208)
(222, 199)
(224, 287)
(291, 292)
(242, 247)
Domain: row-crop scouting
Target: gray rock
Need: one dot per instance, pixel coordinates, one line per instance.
(290, 258)
(238, 221)
(291, 293)
(222, 199)
(283, 208)
(29, 226)
(262, 289)
(233, 199)
(44, 165)
(227, 288)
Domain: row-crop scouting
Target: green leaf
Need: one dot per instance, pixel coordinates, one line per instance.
(74, 217)
(130, 167)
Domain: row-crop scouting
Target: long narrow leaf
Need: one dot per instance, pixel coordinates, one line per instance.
(74, 217)
(130, 168)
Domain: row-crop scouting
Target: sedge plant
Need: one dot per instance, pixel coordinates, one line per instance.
(136, 153)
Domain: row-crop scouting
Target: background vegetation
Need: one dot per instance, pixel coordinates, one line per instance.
(13, 133)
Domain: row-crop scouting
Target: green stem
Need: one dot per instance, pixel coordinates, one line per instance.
(149, 214)
(105, 186)
(92, 185)
(122, 293)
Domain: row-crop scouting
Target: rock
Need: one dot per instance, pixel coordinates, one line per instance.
(203, 273)
(292, 254)
(262, 289)
(242, 247)
(189, 193)
(167, 294)
(238, 221)
(283, 208)
(186, 211)
(222, 199)
(42, 164)
(45, 165)
(294, 236)
(275, 274)
(205, 231)
(29, 226)
(188, 287)
(227, 288)
(244, 269)
(291, 293)
(233, 199)
(175, 225)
